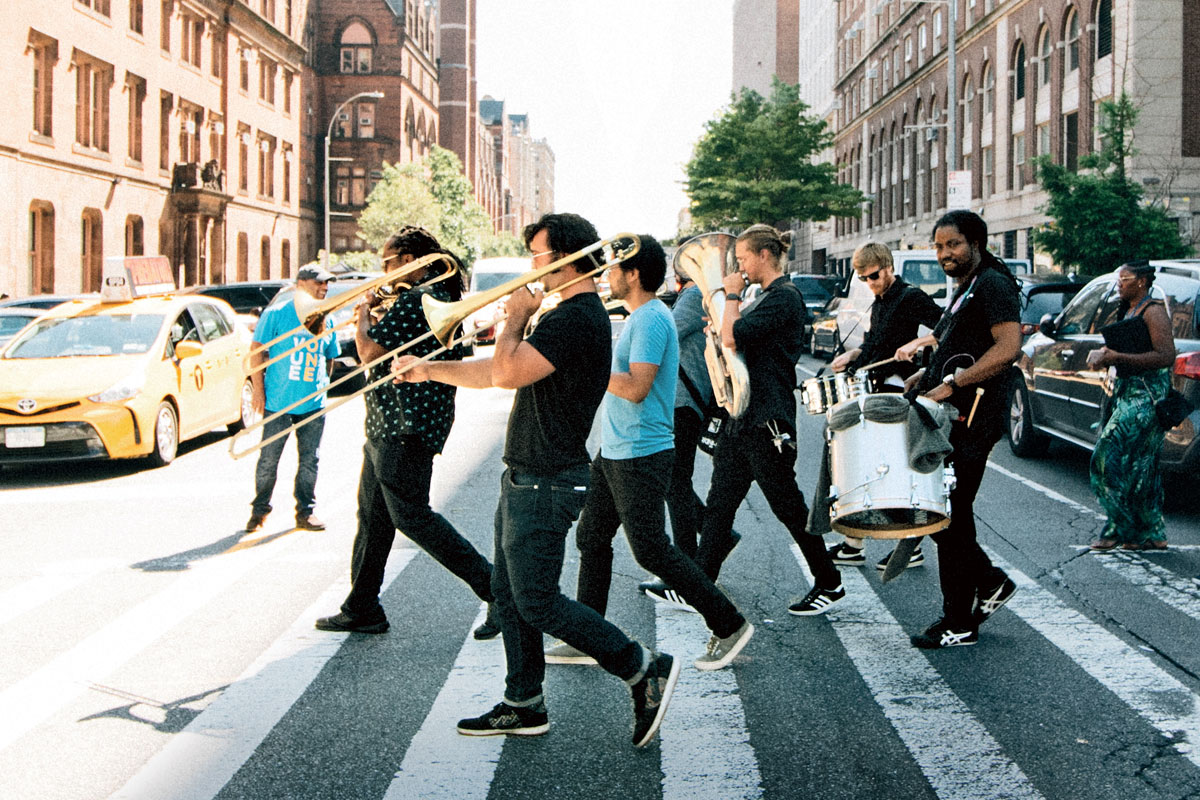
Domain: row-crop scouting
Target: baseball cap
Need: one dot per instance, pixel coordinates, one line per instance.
(315, 273)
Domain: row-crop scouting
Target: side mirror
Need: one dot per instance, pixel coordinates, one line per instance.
(1046, 325)
(188, 349)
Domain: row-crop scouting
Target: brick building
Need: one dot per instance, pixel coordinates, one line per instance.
(136, 127)
(1030, 77)
(765, 43)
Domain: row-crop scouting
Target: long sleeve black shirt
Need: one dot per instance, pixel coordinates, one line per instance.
(769, 338)
(896, 315)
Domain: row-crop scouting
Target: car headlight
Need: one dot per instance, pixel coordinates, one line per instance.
(127, 387)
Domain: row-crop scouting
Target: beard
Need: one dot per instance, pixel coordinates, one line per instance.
(960, 269)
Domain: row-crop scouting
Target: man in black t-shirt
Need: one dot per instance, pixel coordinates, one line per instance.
(561, 372)
(977, 341)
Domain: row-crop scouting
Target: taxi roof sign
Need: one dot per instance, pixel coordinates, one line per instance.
(127, 277)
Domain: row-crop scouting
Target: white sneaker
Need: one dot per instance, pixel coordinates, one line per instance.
(563, 653)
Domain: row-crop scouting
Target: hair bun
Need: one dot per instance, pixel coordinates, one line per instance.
(785, 238)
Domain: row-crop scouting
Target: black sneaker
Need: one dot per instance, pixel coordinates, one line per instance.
(847, 556)
(665, 594)
(818, 601)
(256, 522)
(940, 634)
(506, 719)
(651, 695)
(915, 560)
(490, 627)
(342, 622)
(990, 602)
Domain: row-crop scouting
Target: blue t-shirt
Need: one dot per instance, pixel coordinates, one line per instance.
(304, 371)
(633, 430)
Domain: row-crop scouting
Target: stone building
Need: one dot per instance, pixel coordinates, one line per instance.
(136, 127)
(1029, 80)
(524, 168)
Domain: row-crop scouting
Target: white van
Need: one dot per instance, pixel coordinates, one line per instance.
(488, 273)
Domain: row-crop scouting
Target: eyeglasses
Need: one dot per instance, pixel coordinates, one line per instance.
(1127, 278)
(874, 276)
(543, 253)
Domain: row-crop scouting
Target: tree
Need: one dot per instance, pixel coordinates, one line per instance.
(756, 163)
(433, 194)
(1099, 219)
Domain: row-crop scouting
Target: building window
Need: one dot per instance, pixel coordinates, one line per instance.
(218, 54)
(287, 18)
(1101, 119)
(1018, 149)
(93, 79)
(134, 236)
(1044, 51)
(989, 90)
(243, 159)
(268, 10)
(356, 48)
(358, 186)
(922, 43)
(135, 89)
(266, 80)
(243, 257)
(191, 117)
(1072, 60)
(266, 167)
(365, 118)
(264, 258)
(288, 80)
(164, 37)
(1070, 140)
(287, 174)
(1043, 139)
(937, 30)
(1017, 91)
(41, 247)
(285, 259)
(191, 39)
(91, 249)
(216, 139)
(165, 104)
(989, 171)
(244, 70)
(99, 6)
(1104, 29)
(45, 55)
(342, 187)
(137, 16)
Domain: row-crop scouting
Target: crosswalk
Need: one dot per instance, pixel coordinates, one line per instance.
(1060, 699)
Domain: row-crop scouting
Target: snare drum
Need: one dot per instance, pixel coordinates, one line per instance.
(876, 494)
(848, 387)
(819, 394)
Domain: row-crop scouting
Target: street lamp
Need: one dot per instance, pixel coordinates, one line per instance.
(328, 136)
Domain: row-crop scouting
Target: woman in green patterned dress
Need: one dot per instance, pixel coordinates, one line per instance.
(1124, 468)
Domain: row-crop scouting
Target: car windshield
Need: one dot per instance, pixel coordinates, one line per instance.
(928, 275)
(99, 335)
(482, 281)
(1045, 302)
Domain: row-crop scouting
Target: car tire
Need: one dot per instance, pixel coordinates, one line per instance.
(166, 435)
(1023, 440)
(246, 413)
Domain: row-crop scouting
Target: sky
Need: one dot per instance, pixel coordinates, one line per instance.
(620, 89)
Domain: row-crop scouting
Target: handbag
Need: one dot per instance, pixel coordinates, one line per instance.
(1172, 409)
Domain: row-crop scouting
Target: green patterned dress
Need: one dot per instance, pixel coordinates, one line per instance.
(1124, 468)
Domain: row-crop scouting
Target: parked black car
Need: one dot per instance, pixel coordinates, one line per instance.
(247, 297)
(823, 340)
(1057, 395)
(818, 290)
(1042, 295)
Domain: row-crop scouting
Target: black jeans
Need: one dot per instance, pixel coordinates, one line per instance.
(744, 457)
(532, 521)
(963, 568)
(682, 501)
(629, 493)
(393, 492)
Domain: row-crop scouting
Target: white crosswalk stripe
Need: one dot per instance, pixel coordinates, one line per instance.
(1182, 594)
(62, 577)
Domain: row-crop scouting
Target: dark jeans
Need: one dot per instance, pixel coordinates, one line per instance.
(629, 493)
(393, 492)
(744, 457)
(308, 443)
(963, 568)
(682, 501)
(532, 521)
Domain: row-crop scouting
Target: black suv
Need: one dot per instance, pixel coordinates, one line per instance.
(1056, 394)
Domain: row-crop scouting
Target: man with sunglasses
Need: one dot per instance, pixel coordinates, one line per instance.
(897, 313)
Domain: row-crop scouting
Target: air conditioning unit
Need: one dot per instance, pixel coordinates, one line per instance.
(931, 134)
(190, 126)
(265, 146)
(872, 73)
(879, 10)
(219, 128)
(344, 117)
(859, 25)
(366, 121)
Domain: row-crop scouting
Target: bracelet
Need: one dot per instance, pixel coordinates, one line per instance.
(734, 296)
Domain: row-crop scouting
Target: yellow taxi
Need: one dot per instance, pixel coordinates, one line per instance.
(123, 376)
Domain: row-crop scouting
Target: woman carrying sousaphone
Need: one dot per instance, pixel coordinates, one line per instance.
(406, 425)
(1124, 467)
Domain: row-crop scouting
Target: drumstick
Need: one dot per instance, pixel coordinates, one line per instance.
(975, 405)
(876, 364)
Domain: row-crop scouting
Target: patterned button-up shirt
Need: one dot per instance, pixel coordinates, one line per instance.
(422, 409)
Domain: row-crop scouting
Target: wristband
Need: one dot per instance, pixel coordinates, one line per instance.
(737, 298)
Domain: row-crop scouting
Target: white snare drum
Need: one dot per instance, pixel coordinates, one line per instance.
(818, 395)
(876, 494)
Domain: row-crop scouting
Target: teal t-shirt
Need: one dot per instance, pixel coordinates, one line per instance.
(633, 430)
(301, 373)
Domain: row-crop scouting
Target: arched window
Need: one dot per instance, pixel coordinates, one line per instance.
(264, 266)
(1045, 49)
(243, 257)
(356, 46)
(1017, 89)
(285, 259)
(1104, 29)
(41, 247)
(989, 90)
(1071, 37)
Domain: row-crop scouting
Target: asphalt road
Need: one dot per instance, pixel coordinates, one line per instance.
(152, 649)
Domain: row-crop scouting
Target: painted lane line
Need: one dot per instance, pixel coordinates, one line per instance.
(1047, 491)
(37, 696)
(55, 579)
(1182, 594)
(440, 762)
(957, 755)
(704, 740)
(199, 760)
(1149, 690)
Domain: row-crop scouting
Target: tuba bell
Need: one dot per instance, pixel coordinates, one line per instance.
(706, 259)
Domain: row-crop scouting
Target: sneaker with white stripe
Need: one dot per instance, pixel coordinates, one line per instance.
(818, 601)
(665, 594)
(940, 634)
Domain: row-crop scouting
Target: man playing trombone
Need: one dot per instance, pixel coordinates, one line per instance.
(406, 426)
(304, 374)
(560, 372)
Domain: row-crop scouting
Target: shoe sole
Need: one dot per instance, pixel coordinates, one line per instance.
(668, 690)
(675, 604)
(817, 611)
(484, 637)
(727, 659)
(940, 646)
(586, 661)
(845, 562)
(911, 564)
(536, 730)
(379, 627)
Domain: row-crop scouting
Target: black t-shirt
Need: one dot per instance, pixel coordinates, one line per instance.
(964, 334)
(895, 318)
(770, 337)
(551, 419)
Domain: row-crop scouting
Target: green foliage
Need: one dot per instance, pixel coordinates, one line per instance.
(433, 194)
(1099, 219)
(755, 163)
(503, 244)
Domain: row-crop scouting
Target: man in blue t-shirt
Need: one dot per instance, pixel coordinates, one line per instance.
(302, 375)
(630, 476)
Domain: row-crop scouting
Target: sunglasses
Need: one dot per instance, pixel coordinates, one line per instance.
(874, 276)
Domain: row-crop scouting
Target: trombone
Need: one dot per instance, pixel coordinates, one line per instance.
(443, 319)
(313, 312)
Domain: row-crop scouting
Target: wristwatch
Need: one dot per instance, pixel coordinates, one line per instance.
(949, 381)
(734, 296)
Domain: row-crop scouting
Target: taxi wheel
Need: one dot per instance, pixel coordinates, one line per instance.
(166, 435)
(247, 416)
